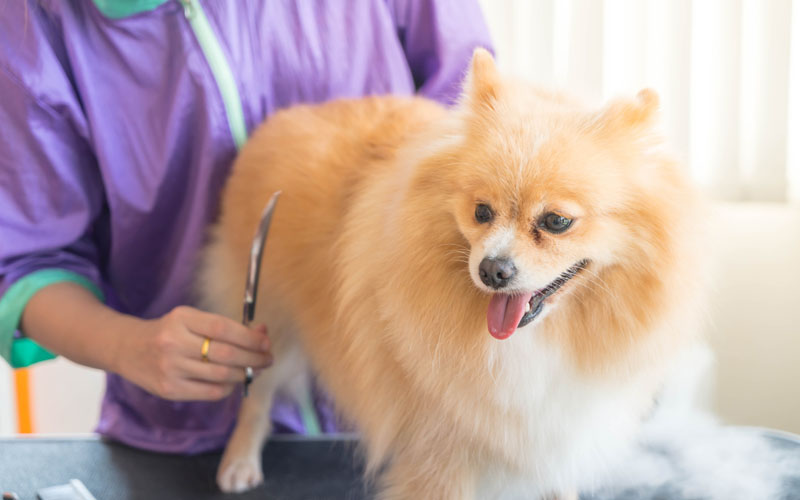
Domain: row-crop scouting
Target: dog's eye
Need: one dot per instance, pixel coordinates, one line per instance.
(483, 213)
(555, 223)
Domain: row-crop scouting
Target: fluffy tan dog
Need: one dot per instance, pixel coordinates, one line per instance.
(492, 294)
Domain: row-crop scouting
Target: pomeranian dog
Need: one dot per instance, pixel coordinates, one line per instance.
(492, 294)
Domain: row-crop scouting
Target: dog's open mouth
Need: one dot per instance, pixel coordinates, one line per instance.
(507, 312)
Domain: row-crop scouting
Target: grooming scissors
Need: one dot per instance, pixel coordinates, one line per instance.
(253, 270)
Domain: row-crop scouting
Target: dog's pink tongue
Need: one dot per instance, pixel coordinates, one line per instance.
(504, 313)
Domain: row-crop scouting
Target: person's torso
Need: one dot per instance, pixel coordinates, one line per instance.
(159, 127)
(157, 124)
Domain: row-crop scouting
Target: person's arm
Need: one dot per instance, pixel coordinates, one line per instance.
(51, 201)
(438, 38)
(161, 355)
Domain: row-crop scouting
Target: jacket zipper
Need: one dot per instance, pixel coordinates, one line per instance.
(220, 69)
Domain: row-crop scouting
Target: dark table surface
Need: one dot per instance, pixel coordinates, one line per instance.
(301, 468)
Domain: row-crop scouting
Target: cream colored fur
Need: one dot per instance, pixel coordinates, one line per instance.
(369, 274)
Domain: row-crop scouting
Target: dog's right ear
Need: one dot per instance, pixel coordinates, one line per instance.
(483, 80)
(626, 114)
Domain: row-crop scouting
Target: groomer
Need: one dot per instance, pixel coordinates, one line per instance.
(119, 122)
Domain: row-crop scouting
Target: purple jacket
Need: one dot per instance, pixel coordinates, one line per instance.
(117, 131)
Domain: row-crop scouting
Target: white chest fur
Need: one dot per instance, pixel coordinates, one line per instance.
(574, 426)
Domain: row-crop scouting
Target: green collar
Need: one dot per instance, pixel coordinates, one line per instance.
(116, 9)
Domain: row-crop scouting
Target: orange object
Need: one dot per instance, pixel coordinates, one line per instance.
(24, 414)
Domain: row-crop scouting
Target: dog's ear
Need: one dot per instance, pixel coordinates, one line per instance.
(483, 80)
(628, 114)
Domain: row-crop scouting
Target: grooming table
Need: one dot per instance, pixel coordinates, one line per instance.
(295, 468)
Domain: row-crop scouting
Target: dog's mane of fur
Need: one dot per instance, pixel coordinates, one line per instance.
(368, 255)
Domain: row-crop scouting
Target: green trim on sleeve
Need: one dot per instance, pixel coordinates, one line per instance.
(26, 352)
(117, 9)
(22, 352)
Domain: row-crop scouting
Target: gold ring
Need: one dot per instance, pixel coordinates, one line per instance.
(204, 349)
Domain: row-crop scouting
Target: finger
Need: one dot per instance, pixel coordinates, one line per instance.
(213, 372)
(195, 390)
(262, 329)
(219, 327)
(223, 353)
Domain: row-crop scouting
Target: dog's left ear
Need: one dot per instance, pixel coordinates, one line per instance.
(483, 80)
(630, 114)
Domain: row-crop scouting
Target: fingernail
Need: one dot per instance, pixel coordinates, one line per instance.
(265, 345)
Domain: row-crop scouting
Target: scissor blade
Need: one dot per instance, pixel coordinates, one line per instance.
(253, 271)
(254, 265)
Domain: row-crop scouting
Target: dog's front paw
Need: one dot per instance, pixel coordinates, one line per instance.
(239, 474)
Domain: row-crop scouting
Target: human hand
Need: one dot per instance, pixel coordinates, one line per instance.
(163, 355)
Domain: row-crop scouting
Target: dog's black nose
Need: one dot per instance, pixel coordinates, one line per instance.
(496, 273)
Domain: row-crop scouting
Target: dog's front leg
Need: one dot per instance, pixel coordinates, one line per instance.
(240, 468)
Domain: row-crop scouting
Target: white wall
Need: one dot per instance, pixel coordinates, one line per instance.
(66, 397)
(756, 314)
